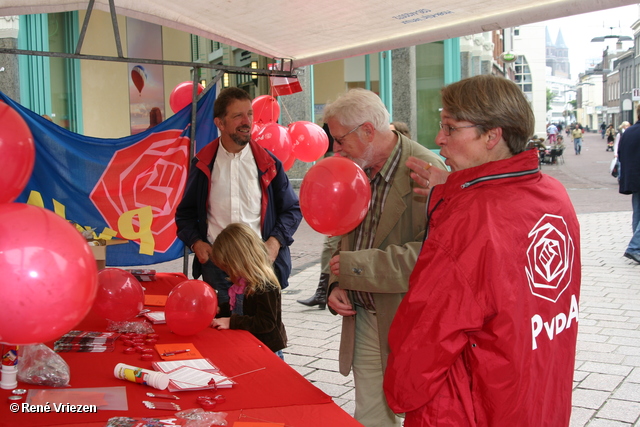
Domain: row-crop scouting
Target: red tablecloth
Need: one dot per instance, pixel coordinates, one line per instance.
(276, 394)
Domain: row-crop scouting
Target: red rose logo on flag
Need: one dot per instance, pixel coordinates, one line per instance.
(550, 258)
(149, 174)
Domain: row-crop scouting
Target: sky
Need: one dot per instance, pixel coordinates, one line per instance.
(578, 30)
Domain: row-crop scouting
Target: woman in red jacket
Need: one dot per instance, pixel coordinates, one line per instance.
(486, 334)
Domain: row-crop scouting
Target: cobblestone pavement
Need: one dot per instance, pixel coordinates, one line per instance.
(607, 375)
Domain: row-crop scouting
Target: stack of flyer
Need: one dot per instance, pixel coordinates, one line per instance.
(194, 374)
(85, 341)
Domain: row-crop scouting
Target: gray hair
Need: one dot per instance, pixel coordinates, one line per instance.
(357, 107)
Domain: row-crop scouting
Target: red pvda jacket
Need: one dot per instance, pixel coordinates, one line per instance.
(486, 334)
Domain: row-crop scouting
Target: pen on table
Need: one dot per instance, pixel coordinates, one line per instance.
(173, 353)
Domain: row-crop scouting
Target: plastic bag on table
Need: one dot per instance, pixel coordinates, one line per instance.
(198, 417)
(39, 365)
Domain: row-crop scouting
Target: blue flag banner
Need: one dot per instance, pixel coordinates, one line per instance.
(126, 188)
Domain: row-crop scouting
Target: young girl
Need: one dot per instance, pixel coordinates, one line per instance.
(242, 254)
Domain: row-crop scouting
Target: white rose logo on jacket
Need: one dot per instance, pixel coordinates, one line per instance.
(550, 258)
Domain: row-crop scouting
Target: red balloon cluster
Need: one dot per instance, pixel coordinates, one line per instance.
(182, 95)
(120, 296)
(190, 307)
(302, 140)
(49, 275)
(335, 196)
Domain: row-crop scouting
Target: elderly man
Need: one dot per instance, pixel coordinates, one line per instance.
(233, 179)
(371, 271)
(486, 334)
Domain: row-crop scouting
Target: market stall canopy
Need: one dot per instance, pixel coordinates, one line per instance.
(313, 31)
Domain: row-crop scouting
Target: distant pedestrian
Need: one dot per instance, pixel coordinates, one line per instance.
(603, 129)
(629, 179)
(623, 126)
(552, 132)
(611, 136)
(576, 134)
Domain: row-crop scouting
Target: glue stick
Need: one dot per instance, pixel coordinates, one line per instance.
(141, 376)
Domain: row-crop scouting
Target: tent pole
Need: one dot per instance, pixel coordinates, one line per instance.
(116, 31)
(85, 24)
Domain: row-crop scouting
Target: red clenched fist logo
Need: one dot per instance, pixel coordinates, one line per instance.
(149, 174)
(550, 258)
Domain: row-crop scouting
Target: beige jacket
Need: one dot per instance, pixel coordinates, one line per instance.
(384, 270)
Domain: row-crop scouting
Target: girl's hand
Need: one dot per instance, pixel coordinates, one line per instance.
(221, 323)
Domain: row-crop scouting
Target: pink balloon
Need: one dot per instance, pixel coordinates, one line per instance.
(335, 196)
(120, 296)
(190, 308)
(48, 275)
(17, 151)
(276, 139)
(309, 141)
(265, 109)
(182, 95)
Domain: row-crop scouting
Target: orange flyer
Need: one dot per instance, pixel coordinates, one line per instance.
(155, 300)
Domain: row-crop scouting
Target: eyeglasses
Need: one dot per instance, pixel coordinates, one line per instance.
(341, 138)
(448, 129)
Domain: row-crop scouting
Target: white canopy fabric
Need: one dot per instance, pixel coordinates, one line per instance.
(314, 31)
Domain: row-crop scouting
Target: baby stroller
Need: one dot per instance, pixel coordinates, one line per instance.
(609, 145)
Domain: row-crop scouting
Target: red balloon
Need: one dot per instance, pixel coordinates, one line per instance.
(120, 296)
(49, 275)
(335, 196)
(182, 95)
(17, 152)
(255, 130)
(265, 109)
(276, 139)
(190, 308)
(309, 141)
(289, 163)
